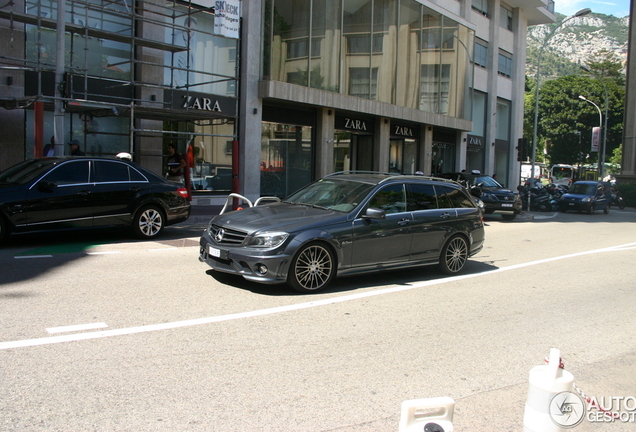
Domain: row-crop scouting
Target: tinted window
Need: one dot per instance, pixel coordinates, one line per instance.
(458, 199)
(391, 199)
(25, 171)
(443, 201)
(136, 176)
(75, 172)
(106, 171)
(421, 197)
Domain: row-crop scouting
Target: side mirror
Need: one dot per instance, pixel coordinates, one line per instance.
(475, 191)
(46, 186)
(374, 213)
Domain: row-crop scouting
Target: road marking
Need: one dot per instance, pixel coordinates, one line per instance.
(32, 256)
(79, 327)
(103, 253)
(280, 309)
(163, 249)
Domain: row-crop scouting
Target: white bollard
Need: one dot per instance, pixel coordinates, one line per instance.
(546, 382)
(427, 415)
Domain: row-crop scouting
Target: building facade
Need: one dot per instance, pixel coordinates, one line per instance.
(294, 90)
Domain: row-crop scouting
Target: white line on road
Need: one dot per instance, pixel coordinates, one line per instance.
(79, 327)
(103, 253)
(288, 308)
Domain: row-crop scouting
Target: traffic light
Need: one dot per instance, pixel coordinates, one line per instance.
(522, 149)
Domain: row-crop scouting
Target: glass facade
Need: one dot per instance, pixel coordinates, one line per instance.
(286, 158)
(133, 75)
(393, 51)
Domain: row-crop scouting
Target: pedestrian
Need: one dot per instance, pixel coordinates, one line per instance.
(49, 149)
(176, 164)
(75, 148)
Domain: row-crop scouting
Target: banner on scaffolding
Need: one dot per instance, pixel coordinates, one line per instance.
(227, 15)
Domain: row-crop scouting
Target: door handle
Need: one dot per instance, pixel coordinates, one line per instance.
(444, 215)
(135, 188)
(404, 221)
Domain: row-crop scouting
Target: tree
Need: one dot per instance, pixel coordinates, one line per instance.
(563, 116)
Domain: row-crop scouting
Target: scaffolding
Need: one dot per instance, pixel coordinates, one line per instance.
(146, 61)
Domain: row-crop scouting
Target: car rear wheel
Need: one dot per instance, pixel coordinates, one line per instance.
(454, 255)
(148, 222)
(312, 269)
(590, 209)
(606, 209)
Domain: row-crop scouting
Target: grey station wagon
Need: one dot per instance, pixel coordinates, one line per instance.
(347, 223)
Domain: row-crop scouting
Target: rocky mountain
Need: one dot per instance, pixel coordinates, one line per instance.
(575, 42)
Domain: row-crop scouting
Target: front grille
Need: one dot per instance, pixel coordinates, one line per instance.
(226, 236)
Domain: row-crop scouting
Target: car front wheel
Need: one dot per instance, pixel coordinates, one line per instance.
(454, 255)
(148, 222)
(312, 268)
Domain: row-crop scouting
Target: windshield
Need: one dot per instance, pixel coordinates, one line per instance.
(25, 171)
(332, 194)
(583, 189)
(487, 181)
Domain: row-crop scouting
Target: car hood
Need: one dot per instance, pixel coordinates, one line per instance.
(575, 197)
(497, 191)
(278, 217)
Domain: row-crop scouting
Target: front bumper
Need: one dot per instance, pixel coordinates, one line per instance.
(246, 262)
(575, 205)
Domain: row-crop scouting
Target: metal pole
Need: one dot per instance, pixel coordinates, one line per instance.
(600, 125)
(580, 13)
(58, 108)
(603, 148)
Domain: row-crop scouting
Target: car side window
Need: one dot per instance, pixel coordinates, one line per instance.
(443, 201)
(458, 199)
(109, 172)
(391, 199)
(421, 197)
(69, 173)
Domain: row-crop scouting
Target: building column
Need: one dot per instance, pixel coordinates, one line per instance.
(628, 161)
(251, 106)
(426, 157)
(382, 142)
(324, 142)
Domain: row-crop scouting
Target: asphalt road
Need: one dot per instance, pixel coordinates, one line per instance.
(101, 332)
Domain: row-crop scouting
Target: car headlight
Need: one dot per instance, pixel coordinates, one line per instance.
(487, 195)
(586, 199)
(268, 239)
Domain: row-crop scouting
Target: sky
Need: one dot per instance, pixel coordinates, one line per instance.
(618, 8)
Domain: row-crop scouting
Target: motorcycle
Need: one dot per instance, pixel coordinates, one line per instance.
(540, 199)
(617, 200)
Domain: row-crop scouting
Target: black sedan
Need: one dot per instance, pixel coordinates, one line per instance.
(496, 198)
(83, 192)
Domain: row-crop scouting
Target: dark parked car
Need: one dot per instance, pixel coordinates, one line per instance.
(347, 223)
(587, 196)
(496, 197)
(80, 192)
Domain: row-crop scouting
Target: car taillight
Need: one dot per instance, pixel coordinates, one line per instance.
(183, 192)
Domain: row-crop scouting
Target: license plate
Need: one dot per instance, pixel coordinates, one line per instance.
(506, 205)
(215, 252)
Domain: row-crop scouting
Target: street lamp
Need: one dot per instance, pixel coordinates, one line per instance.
(601, 153)
(600, 125)
(580, 13)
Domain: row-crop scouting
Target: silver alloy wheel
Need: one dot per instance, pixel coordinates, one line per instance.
(313, 268)
(455, 255)
(149, 222)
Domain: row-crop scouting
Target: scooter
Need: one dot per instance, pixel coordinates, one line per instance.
(617, 200)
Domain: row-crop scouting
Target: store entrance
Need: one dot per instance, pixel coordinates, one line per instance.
(352, 152)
